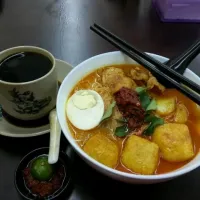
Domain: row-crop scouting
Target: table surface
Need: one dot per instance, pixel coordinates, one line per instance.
(62, 27)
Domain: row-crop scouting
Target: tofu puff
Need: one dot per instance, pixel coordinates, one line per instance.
(181, 114)
(102, 149)
(165, 106)
(174, 141)
(140, 155)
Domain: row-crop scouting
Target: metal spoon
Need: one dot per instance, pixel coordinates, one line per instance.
(182, 62)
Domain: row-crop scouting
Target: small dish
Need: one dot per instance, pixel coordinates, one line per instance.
(10, 130)
(25, 193)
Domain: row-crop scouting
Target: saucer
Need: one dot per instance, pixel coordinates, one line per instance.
(10, 130)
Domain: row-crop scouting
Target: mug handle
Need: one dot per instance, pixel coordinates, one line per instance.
(0, 107)
(1, 112)
(55, 134)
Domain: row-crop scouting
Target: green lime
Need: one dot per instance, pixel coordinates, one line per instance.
(41, 169)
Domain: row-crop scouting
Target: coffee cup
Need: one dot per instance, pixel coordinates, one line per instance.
(32, 99)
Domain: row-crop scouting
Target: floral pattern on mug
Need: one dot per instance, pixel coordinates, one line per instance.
(27, 103)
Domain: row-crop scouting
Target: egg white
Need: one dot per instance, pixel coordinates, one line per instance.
(85, 119)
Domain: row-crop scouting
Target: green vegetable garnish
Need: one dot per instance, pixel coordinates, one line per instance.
(140, 89)
(109, 111)
(154, 122)
(41, 170)
(145, 99)
(152, 105)
(121, 131)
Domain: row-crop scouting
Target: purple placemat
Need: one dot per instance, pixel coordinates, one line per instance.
(178, 10)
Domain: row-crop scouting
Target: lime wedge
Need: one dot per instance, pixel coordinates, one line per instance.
(41, 170)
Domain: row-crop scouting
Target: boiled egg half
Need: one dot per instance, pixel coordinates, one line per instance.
(85, 109)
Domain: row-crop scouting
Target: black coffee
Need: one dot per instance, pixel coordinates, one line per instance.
(24, 67)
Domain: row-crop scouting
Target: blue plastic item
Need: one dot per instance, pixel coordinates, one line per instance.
(178, 10)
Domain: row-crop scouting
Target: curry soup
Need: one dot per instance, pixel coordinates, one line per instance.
(189, 116)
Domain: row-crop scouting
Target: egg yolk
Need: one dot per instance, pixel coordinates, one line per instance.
(84, 100)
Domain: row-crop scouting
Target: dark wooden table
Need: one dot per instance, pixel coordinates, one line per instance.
(62, 27)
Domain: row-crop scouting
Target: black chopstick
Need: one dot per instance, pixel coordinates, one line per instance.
(170, 72)
(193, 96)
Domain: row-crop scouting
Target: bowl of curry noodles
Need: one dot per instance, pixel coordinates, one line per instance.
(128, 124)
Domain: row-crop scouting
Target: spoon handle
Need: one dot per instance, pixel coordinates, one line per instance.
(55, 133)
(181, 63)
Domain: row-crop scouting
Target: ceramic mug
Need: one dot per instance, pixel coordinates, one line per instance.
(29, 100)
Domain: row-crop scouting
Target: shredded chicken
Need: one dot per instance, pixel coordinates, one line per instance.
(116, 114)
(115, 79)
(105, 93)
(139, 74)
(140, 130)
(153, 83)
(109, 73)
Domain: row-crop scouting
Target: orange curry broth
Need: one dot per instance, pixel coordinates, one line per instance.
(193, 122)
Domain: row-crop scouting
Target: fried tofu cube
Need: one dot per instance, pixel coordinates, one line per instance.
(181, 114)
(140, 155)
(165, 106)
(174, 141)
(102, 149)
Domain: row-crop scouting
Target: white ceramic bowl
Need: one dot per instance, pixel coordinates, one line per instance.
(70, 81)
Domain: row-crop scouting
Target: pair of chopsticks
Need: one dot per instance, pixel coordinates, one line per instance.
(157, 68)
